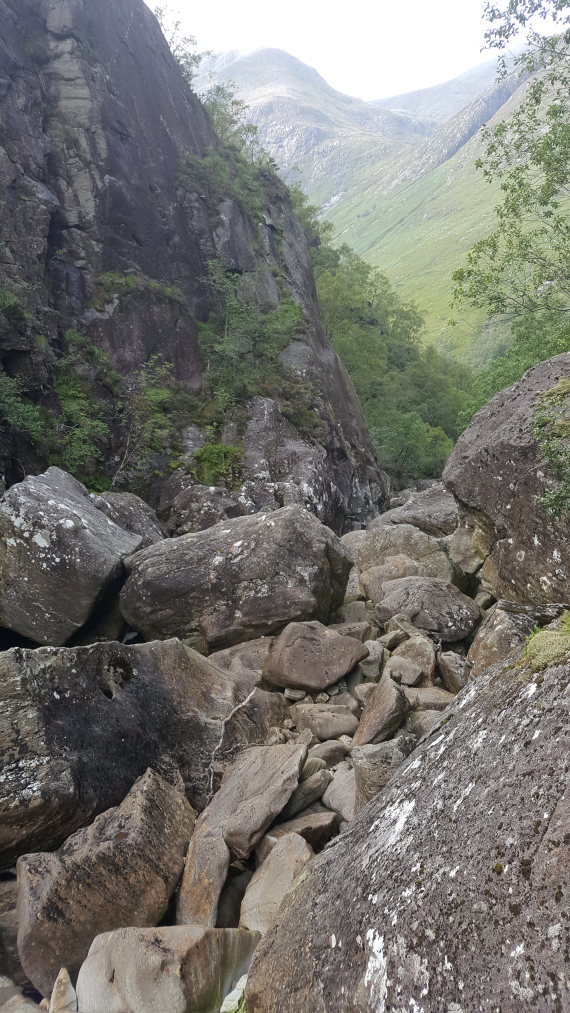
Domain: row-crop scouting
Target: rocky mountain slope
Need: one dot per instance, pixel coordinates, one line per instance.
(411, 202)
(216, 745)
(116, 198)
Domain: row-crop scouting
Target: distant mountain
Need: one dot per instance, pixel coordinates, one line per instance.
(399, 184)
(444, 100)
(317, 135)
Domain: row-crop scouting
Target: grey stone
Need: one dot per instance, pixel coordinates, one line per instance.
(326, 721)
(170, 968)
(331, 751)
(238, 580)
(59, 557)
(434, 511)
(384, 713)
(501, 635)
(273, 881)
(421, 652)
(309, 791)
(309, 656)
(405, 540)
(403, 671)
(428, 698)
(131, 513)
(433, 605)
(374, 765)
(340, 795)
(452, 670)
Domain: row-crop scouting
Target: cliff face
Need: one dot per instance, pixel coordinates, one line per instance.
(96, 122)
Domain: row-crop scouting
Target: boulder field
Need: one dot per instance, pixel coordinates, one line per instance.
(261, 767)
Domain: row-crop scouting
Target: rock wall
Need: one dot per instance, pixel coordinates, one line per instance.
(96, 119)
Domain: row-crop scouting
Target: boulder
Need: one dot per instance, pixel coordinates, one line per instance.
(421, 652)
(272, 881)
(332, 751)
(59, 555)
(433, 511)
(122, 870)
(388, 541)
(452, 670)
(253, 792)
(251, 655)
(10, 966)
(131, 513)
(428, 698)
(186, 507)
(423, 722)
(502, 633)
(340, 795)
(310, 790)
(63, 998)
(179, 969)
(433, 605)
(373, 579)
(315, 825)
(403, 671)
(499, 472)
(448, 891)
(375, 764)
(309, 656)
(384, 713)
(239, 580)
(79, 725)
(325, 720)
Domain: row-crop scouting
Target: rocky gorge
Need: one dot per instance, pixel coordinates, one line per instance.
(286, 740)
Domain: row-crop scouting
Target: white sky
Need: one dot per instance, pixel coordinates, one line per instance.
(367, 48)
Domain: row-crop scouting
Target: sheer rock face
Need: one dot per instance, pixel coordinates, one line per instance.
(239, 580)
(78, 726)
(96, 121)
(498, 474)
(470, 839)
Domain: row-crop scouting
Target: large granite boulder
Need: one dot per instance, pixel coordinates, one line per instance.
(433, 605)
(450, 890)
(238, 580)
(385, 541)
(122, 870)
(434, 511)
(78, 726)
(59, 554)
(186, 506)
(310, 656)
(499, 474)
(172, 969)
(131, 513)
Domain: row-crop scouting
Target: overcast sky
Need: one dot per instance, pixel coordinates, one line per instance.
(368, 48)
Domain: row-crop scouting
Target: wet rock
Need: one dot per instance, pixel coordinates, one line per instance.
(441, 848)
(387, 541)
(433, 511)
(374, 765)
(131, 513)
(452, 670)
(78, 726)
(498, 473)
(170, 968)
(237, 581)
(60, 555)
(120, 871)
(384, 713)
(272, 882)
(253, 792)
(432, 605)
(311, 657)
(326, 721)
(340, 795)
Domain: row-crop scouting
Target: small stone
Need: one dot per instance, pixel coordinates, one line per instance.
(308, 791)
(272, 882)
(331, 751)
(453, 671)
(403, 671)
(340, 795)
(384, 713)
(374, 765)
(326, 721)
(420, 651)
(393, 639)
(428, 698)
(423, 722)
(63, 998)
(295, 694)
(316, 825)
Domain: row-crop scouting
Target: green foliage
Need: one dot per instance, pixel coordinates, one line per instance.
(16, 411)
(230, 119)
(77, 437)
(218, 464)
(551, 424)
(12, 308)
(410, 395)
(111, 285)
(545, 648)
(182, 47)
(151, 410)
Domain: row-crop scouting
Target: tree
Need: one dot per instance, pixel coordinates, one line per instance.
(523, 266)
(182, 47)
